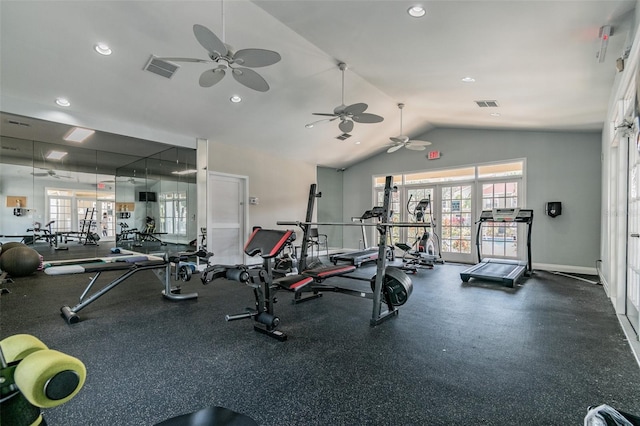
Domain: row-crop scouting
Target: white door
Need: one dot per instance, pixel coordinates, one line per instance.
(226, 219)
(633, 239)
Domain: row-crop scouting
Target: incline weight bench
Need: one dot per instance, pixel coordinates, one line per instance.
(130, 265)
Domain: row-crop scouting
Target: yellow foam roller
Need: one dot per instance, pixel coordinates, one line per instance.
(48, 378)
(19, 346)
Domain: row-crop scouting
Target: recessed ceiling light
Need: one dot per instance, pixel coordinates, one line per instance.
(63, 102)
(78, 134)
(495, 114)
(468, 80)
(55, 155)
(357, 142)
(235, 99)
(417, 11)
(308, 126)
(103, 49)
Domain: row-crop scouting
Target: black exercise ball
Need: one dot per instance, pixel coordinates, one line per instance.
(12, 244)
(20, 261)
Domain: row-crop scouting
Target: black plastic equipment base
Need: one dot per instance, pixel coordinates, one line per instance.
(503, 270)
(212, 416)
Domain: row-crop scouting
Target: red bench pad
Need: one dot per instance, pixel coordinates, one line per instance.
(325, 272)
(293, 282)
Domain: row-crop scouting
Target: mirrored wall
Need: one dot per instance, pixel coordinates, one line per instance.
(64, 199)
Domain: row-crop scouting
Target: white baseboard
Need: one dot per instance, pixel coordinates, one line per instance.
(631, 336)
(570, 269)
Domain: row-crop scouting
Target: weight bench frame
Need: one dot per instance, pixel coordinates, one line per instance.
(160, 267)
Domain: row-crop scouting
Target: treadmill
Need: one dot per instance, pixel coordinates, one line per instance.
(506, 271)
(357, 258)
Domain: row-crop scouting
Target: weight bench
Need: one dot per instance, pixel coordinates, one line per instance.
(267, 243)
(130, 265)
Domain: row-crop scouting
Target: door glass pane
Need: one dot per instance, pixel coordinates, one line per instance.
(394, 206)
(456, 219)
(419, 209)
(499, 239)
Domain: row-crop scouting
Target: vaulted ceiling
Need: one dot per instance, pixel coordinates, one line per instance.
(535, 59)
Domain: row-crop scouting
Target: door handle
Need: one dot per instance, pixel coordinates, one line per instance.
(635, 235)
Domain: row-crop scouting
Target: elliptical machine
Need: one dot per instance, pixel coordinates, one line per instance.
(425, 250)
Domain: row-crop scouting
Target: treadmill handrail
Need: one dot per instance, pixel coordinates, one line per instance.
(526, 218)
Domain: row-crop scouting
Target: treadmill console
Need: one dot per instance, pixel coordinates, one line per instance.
(507, 215)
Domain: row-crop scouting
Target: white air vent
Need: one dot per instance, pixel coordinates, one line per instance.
(343, 136)
(487, 104)
(160, 67)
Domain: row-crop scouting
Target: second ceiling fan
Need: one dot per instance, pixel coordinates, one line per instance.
(347, 114)
(404, 141)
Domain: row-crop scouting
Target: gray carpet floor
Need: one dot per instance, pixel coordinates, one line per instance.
(458, 353)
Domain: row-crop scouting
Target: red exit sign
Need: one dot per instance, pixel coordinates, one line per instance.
(433, 155)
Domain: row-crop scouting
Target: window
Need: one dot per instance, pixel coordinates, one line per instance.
(60, 212)
(446, 175)
(500, 170)
(173, 213)
(458, 195)
(499, 239)
(457, 218)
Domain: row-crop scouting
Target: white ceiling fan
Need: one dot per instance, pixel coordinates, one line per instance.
(237, 62)
(404, 141)
(347, 114)
(50, 173)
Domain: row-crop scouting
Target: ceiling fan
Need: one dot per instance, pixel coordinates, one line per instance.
(404, 141)
(236, 61)
(51, 173)
(347, 114)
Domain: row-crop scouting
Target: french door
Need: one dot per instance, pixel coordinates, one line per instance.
(456, 222)
(633, 238)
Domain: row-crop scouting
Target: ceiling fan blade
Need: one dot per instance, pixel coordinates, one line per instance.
(209, 40)
(250, 78)
(415, 147)
(324, 114)
(203, 61)
(394, 148)
(211, 77)
(400, 139)
(346, 126)
(255, 58)
(356, 109)
(310, 125)
(367, 118)
(416, 142)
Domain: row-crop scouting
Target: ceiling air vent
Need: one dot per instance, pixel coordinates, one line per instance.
(160, 67)
(487, 104)
(18, 123)
(343, 136)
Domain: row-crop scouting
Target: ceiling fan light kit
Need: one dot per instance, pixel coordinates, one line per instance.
(404, 141)
(347, 114)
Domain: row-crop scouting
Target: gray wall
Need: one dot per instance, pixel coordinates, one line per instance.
(559, 167)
